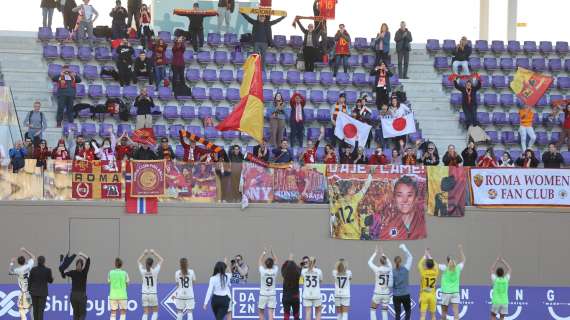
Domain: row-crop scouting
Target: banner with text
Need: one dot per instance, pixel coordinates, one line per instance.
(377, 202)
(148, 178)
(512, 187)
(300, 184)
(446, 191)
(95, 180)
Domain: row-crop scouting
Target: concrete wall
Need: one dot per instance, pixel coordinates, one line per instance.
(535, 242)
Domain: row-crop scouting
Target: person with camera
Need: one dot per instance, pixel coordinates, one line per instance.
(342, 49)
(124, 62)
(239, 269)
(277, 120)
(451, 158)
(89, 15)
(66, 83)
(118, 26)
(144, 104)
(431, 156)
(381, 76)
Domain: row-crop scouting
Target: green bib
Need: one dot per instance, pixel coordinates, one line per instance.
(450, 280)
(118, 284)
(501, 291)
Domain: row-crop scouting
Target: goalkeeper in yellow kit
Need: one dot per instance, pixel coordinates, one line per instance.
(428, 278)
(345, 218)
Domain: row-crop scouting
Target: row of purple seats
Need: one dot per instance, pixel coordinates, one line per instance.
(502, 119)
(508, 64)
(498, 47)
(294, 77)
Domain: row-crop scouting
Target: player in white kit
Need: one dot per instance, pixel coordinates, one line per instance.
(268, 276)
(382, 283)
(149, 273)
(22, 270)
(184, 298)
(342, 277)
(312, 277)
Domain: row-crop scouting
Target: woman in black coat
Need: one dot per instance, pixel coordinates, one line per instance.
(381, 84)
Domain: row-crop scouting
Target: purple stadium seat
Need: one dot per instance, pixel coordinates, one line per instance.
(448, 45)
(475, 63)
(165, 36)
(174, 130)
(230, 39)
(353, 61)
(497, 46)
(170, 113)
(95, 91)
(88, 129)
(279, 41)
(360, 44)
(226, 76)
(316, 96)
(309, 114)
(102, 54)
(499, 119)
(61, 34)
(268, 95)
(187, 113)
(332, 96)
(276, 77)
(310, 78)
(86, 113)
(324, 115)
(211, 133)
(45, 34)
(80, 90)
(287, 59)
(567, 65)
(493, 136)
(214, 39)
(455, 99)
(445, 82)
(286, 94)
(499, 82)
(483, 118)
(210, 75)
(68, 127)
(507, 64)
(205, 112)
(359, 79)
(368, 61)
(237, 58)
(523, 63)
(232, 94)
(514, 47)
(485, 81)
(151, 91)
(539, 64)
(164, 93)
(159, 130)
(490, 64)
(85, 53)
(113, 91)
(555, 65)
(441, 63)
(293, 77)
(130, 91)
(529, 47)
(566, 156)
(222, 113)
(514, 119)
(54, 69)
(541, 138)
(199, 94)
(193, 75)
(221, 58)
(188, 57)
(432, 45)
(342, 79)
(74, 68)
(326, 79)
(545, 47)
(216, 94)
(507, 100)
(313, 133)
(555, 97)
(490, 100)
(481, 46)
(124, 127)
(395, 80)
(563, 83)
(296, 42)
(270, 59)
(204, 57)
(230, 135)
(561, 47)
(508, 138)
(104, 129)
(50, 52)
(554, 137)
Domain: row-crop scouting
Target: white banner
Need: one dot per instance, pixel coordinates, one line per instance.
(520, 187)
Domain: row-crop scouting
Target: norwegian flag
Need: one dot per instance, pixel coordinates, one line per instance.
(136, 205)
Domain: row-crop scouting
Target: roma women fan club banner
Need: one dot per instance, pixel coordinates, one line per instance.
(520, 187)
(526, 303)
(377, 202)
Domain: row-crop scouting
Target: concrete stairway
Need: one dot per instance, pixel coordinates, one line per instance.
(437, 119)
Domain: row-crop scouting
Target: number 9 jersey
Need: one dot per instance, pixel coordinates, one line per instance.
(342, 284)
(268, 279)
(312, 285)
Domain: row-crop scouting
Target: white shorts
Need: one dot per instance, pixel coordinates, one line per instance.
(500, 308)
(381, 299)
(342, 301)
(269, 301)
(24, 300)
(149, 300)
(449, 298)
(118, 304)
(312, 302)
(184, 304)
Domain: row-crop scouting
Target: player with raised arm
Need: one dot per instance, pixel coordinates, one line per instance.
(342, 277)
(382, 283)
(428, 279)
(184, 296)
(450, 281)
(149, 272)
(268, 268)
(22, 271)
(501, 279)
(118, 281)
(345, 219)
(313, 277)
(401, 279)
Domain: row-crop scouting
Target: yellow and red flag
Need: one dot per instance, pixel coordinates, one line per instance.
(248, 114)
(530, 86)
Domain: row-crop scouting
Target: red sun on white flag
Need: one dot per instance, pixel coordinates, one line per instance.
(350, 131)
(399, 124)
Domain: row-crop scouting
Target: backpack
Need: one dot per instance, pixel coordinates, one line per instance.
(41, 117)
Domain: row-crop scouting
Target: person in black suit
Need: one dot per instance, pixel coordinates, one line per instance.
(78, 278)
(40, 276)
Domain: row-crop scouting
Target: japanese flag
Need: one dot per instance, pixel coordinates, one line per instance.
(398, 126)
(351, 130)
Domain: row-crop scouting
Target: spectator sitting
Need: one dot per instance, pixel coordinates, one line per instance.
(381, 45)
(124, 62)
(66, 83)
(469, 100)
(506, 161)
(159, 56)
(378, 158)
(381, 83)
(42, 154)
(359, 156)
(165, 150)
(342, 49)
(488, 159)
(431, 156)
(527, 160)
(451, 158)
(469, 155)
(17, 157)
(526, 116)
(145, 33)
(460, 58)
(35, 122)
(144, 104)
(346, 153)
(396, 158)
(143, 68)
(85, 152)
(565, 134)
(262, 34)
(119, 25)
(60, 152)
(403, 39)
(409, 158)
(552, 158)
(123, 150)
(144, 152)
(282, 154)
(277, 120)
(261, 151)
(297, 119)
(330, 155)
(178, 63)
(310, 45)
(310, 154)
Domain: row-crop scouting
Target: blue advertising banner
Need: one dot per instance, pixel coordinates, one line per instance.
(526, 303)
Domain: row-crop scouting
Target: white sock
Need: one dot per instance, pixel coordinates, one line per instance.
(189, 316)
(384, 314)
(372, 314)
(113, 317)
(123, 316)
(145, 316)
(154, 316)
(339, 316)
(345, 316)
(179, 315)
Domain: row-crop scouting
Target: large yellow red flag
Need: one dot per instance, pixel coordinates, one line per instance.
(248, 114)
(530, 86)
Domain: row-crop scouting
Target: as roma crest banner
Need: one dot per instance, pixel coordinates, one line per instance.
(148, 178)
(446, 191)
(96, 180)
(377, 202)
(327, 8)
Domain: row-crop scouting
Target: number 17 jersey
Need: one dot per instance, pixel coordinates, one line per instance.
(268, 278)
(342, 284)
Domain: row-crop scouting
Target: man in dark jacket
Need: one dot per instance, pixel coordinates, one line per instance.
(261, 33)
(40, 276)
(124, 62)
(261, 151)
(118, 25)
(143, 68)
(144, 104)
(144, 152)
(225, 10)
(66, 83)
(196, 28)
(469, 100)
(282, 154)
(552, 159)
(403, 40)
(134, 9)
(310, 45)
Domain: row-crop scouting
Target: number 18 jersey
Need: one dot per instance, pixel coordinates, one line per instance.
(312, 283)
(342, 284)
(149, 279)
(268, 279)
(184, 284)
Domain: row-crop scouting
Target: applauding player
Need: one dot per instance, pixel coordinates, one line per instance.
(22, 271)
(149, 273)
(268, 275)
(342, 277)
(312, 277)
(184, 298)
(428, 279)
(382, 284)
(450, 279)
(501, 281)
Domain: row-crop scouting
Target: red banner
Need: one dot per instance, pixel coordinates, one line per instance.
(96, 180)
(257, 183)
(148, 178)
(327, 8)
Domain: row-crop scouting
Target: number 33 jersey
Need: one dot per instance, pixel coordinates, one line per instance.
(312, 283)
(149, 279)
(184, 284)
(342, 284)
(268, 279)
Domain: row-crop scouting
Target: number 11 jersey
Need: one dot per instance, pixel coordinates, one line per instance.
(149, 279)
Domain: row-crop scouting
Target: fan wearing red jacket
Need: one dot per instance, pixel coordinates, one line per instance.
(378, 158)
(123, 150)
(487, 160)
(87, 153)
(330, 155)
(310, 154)
(60, 152)
(41, 154)
(192, 153)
